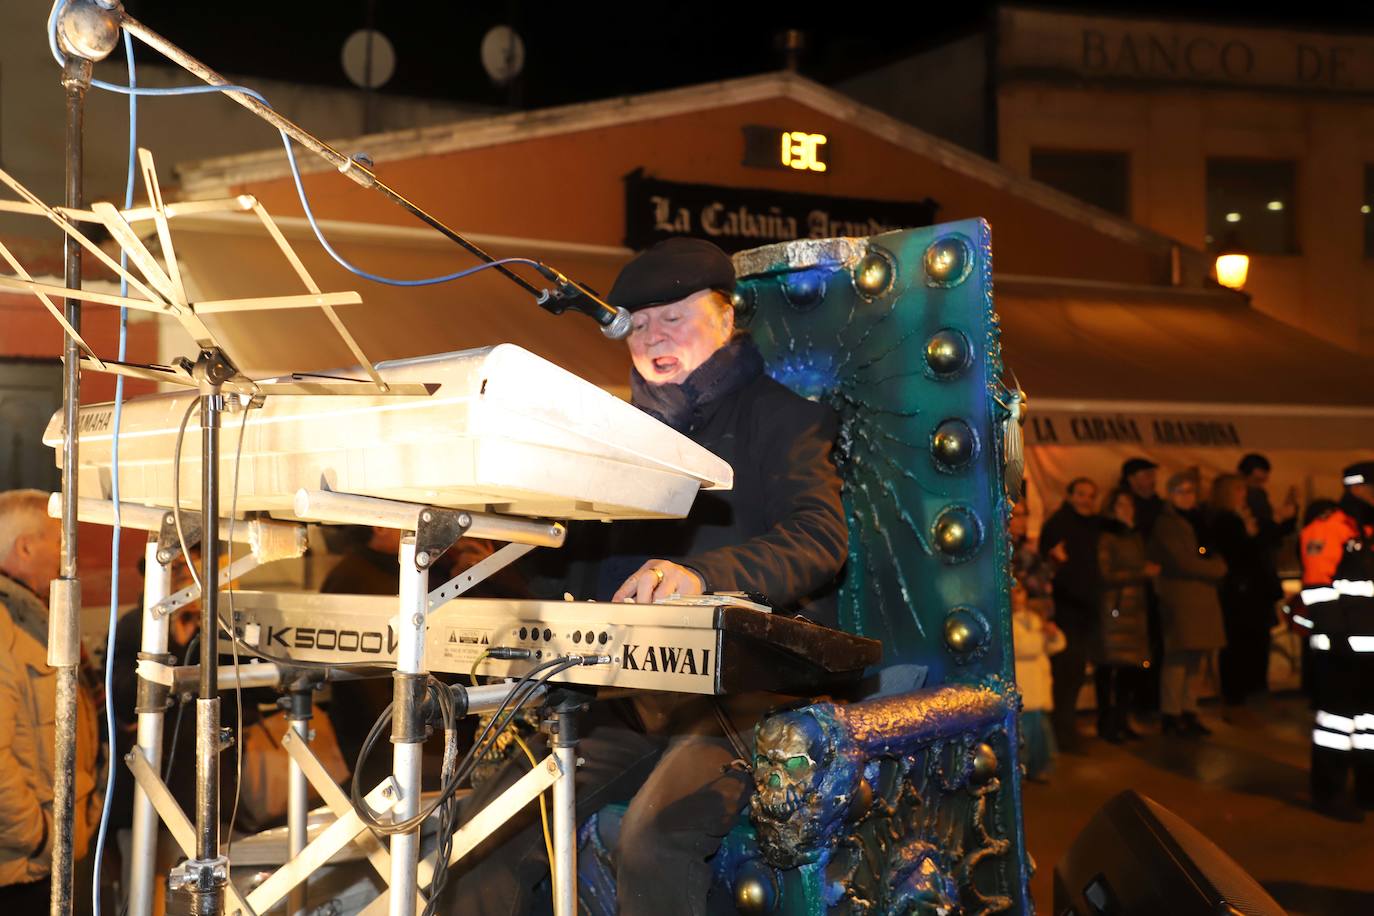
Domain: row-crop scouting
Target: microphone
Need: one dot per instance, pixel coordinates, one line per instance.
(568, 294)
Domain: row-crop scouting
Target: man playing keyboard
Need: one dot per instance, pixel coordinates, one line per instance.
(779, 533)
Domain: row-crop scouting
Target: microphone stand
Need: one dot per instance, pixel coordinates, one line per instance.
(206, 875)
(64, 641)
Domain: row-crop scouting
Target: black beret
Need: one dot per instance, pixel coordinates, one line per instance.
(1363, 472)
(1132, 465)
(670, 271)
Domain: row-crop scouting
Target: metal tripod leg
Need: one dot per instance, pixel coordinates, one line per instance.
(157, 583)
(178, 825)
(563, 868)
(299, 713)
(407, 731)
(341, 806)
(482, 824)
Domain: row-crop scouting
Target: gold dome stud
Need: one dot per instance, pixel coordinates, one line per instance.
(948, 261)
(956, 532)
(984, 763)
(953, 443)
(961, 632)
(873, 274)
(756, 890)
(947, 351)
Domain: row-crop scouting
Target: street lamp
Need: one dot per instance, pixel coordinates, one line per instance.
(1232, 263)
(1232, 268)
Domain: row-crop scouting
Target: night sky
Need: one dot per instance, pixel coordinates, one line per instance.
(581, 51)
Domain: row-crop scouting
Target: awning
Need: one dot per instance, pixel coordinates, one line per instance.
(1189, 379)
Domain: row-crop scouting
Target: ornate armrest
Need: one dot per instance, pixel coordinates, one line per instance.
(903, 802)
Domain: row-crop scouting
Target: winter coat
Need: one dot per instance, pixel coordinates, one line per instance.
(1251, 586)
(1077, 581)
(28, 709)
(1034, 644)
(1189, 608)
(1124, 637)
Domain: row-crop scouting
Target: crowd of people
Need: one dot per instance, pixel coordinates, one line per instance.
(1150, 591)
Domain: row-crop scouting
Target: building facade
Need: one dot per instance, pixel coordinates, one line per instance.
(1224, 137)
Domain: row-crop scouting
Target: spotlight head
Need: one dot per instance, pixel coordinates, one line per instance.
(88, 29)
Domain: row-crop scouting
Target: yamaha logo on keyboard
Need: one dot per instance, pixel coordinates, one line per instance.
(95, 421)
(666, 659)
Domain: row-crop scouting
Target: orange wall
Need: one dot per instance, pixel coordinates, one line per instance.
(1170, 133)
(569, 187)
(27, 330)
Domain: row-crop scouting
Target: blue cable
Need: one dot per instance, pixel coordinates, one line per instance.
(134, 91)
(110, 726)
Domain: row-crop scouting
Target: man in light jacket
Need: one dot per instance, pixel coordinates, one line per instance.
(29, 550)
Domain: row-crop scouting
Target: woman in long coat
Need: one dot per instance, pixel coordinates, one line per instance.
(1189, 609)
(1124, 643)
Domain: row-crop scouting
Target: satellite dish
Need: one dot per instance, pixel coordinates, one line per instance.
(503, 54)
(363, 72)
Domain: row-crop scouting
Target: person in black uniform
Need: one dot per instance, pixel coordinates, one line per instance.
(779, 533)
(1338, 594)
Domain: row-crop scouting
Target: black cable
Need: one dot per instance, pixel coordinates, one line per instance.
(528, 684)
(233, 639)
(186, 554)
(176, 491)
(449, 815)
(448, 811)
(181, 707)
(732, 735)
(364, 812)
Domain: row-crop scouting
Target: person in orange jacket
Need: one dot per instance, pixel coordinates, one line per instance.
(1338, 597)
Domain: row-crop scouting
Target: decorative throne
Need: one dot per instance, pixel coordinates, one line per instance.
(908, 800)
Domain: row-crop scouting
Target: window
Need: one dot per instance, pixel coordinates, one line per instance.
(1366, 213)
(1101, 179)
(1250, 206)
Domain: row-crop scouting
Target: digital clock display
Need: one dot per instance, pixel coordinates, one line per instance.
(793, 150)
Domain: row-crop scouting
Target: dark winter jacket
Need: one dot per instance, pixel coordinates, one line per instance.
(779, 532)
(1077, 581)
(1147, 511)
(1124, 638)
(1251, 585)
(1271, 536)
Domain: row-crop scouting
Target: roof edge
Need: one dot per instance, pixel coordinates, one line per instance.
(213, 177)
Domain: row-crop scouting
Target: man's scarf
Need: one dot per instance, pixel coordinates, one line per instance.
(726, 371)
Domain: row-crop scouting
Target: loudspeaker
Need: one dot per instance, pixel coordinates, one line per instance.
(1137, 857)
